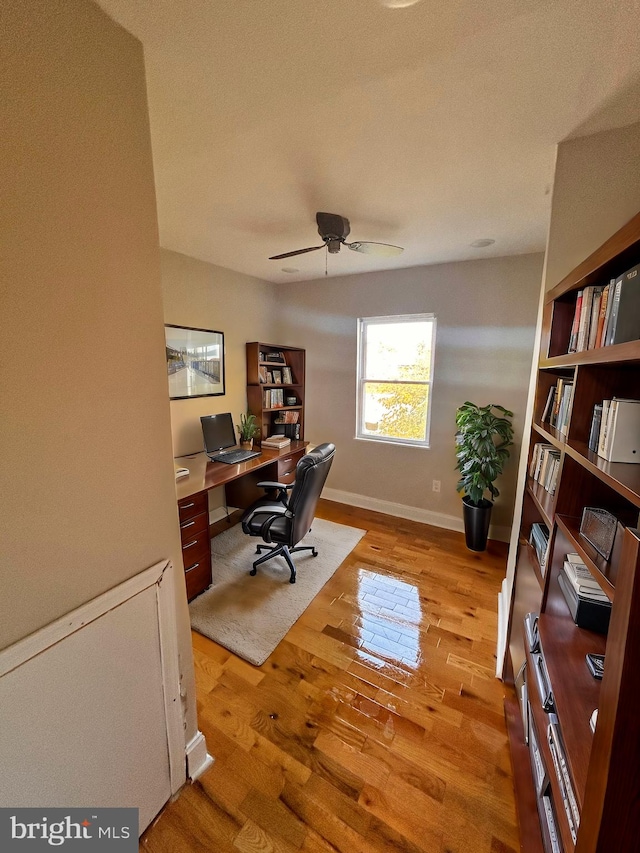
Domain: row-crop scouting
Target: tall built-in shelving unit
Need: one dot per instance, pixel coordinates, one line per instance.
(602, 767)
(259, 369)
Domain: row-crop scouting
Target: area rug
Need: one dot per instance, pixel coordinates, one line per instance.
(250, 615)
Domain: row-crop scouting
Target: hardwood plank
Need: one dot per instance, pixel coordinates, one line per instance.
(376, 726)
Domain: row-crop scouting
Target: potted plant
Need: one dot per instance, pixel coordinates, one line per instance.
(483, 435)
(247, 430)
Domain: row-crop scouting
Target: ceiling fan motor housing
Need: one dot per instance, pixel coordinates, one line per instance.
(331, 226)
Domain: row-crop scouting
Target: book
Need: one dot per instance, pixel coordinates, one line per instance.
(613, 316)
(627, 325)
(603, 313)
(595, 317)
(573, 337)
(602, 440)
(585, 319)
(594, 431)
(546, 414)
(622, 441)
(587, 587)
(276, 441)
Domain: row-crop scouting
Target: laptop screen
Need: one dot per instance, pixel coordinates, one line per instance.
(218, 432)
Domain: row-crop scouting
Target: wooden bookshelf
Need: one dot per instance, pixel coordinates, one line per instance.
(259, 365)
(602, 766)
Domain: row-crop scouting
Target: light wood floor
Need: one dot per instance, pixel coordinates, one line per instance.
(375, 727)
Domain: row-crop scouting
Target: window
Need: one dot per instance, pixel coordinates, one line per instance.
(395, 372)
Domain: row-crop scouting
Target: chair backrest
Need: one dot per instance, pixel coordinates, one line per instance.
(311, 473)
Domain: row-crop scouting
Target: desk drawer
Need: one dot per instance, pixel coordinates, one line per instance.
(287, 468)
(198, 578)
(192, 506)
(191, 528)
(196, 549)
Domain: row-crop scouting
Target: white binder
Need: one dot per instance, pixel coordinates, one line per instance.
(623, 433)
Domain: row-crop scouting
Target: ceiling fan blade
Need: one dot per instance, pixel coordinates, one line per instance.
(385, 250)
(297, 252)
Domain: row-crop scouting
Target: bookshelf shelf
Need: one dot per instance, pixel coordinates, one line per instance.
(602, 766)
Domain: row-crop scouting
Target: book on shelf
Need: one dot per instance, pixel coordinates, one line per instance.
(545, 465)
(277, 377)
(287, 378)
(625, 311)
(288, 417)
(585, 318)
(275, 357)
(594, 431)
(262, 375)
(539, 541)
(273, 398)
(558, 406)
(573, 338)
(604, 301)
(548, 407)
(565, 784)
(619, 436)
(595, 317)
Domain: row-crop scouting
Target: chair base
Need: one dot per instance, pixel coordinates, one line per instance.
(281, 551)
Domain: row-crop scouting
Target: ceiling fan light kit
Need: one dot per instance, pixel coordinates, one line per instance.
(334, 229)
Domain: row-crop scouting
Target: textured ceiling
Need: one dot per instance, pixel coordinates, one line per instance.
(428, 127)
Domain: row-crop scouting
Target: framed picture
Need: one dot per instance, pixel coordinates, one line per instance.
(195, 362)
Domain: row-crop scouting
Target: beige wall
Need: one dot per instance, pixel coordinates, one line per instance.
(486, 313)
(88, 490)
(596, 190)
(201, 295)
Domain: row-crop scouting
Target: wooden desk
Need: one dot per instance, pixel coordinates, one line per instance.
(240, 482)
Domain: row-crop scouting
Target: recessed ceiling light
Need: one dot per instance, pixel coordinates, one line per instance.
(482, 244)
(290, 270)
(398, 4)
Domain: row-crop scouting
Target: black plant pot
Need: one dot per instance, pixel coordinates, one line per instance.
(476, 523)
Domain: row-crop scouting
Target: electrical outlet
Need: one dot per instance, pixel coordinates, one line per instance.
(436, 485)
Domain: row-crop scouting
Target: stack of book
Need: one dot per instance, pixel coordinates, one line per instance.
(615, 430)
(276, 441)
(539, 540)
(581, 579)
(607, 314)
(558, 406)
(545, 466)
(587, 601)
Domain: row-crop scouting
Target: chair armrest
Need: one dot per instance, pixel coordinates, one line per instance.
(268, 484)
(270, 516)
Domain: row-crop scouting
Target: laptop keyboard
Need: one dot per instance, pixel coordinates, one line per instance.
(235, 456)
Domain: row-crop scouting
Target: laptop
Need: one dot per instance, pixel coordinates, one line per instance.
(220, 440)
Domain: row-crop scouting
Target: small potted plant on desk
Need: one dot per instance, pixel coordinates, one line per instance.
(247, 429)
(484, 433)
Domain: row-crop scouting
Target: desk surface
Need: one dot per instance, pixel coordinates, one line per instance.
(204, 475)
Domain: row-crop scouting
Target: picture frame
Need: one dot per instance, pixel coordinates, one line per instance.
(195, 362)
(277, 377)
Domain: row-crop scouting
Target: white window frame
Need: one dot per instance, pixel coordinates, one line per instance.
(361, 380)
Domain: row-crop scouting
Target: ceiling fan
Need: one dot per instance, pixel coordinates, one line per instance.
(334, 230)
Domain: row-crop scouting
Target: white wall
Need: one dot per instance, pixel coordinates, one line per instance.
(87, 485)
(198, 294)
(486, 312)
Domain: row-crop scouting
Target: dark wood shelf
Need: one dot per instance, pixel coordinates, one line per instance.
(622, 477)
(576, 692)
(596, 563)
(544, 501)
(616, 354)
(551, 434)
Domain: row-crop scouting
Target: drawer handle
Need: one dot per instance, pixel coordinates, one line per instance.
(187, 506)
(286, 473)
(190, 545)
(192, 568)
(189, 524)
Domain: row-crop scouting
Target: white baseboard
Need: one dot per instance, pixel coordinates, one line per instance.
(198, 759)
(413, 513)
(217, 514)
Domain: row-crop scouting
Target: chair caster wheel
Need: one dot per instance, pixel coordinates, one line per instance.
(292, 580)
(253, 572)
(314, 553)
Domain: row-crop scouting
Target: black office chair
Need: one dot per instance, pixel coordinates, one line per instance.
(281, 520)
